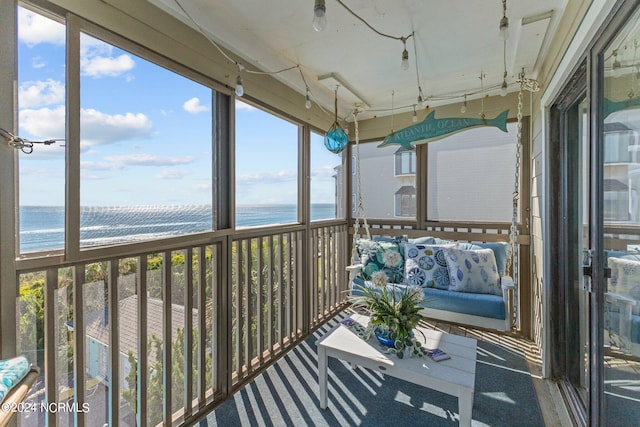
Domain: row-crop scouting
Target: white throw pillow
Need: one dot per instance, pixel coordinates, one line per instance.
(474, 271)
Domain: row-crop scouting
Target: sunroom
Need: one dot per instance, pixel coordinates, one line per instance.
(183, 185)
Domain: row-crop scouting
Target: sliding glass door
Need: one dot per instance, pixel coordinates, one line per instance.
(618, 137)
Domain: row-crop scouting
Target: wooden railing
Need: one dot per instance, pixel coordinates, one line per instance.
(164, 335)
(145, 335)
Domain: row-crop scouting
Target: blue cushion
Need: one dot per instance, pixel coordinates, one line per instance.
(426, 240)
(484, 305)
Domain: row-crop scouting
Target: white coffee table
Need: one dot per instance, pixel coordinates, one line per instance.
(455, 376)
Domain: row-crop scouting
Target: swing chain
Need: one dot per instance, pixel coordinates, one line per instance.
(512, 261)
(359, 203)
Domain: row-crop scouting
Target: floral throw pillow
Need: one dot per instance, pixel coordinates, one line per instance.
(473, 271)
(426, 266)
(381, 256)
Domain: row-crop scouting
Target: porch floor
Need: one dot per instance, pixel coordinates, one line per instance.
(509, 390)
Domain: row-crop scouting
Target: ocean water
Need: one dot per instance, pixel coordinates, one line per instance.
(42, 227)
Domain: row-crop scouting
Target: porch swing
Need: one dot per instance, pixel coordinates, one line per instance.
(488, 308)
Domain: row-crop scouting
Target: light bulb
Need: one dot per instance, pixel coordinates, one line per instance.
(415, 117)
(503, 88)
(307, 101)
(463, 107)
(504, 28)
(405, 60)
(239, 87)
(617, 68)
(319, 17)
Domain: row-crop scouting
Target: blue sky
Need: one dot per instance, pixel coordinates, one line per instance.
(145, 132)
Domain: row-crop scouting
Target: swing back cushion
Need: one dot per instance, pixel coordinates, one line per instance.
(446, 265)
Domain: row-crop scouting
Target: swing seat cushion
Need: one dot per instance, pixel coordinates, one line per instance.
(482, 305)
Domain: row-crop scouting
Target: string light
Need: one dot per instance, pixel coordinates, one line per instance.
(405, 56)
(504, 22)
(319, 15)
(617, 66)
(482, 76)
(321, 9)
(307, 100)
(239, 86)
(504, 25)
(503, 88)
(405, 52)
(415, 116)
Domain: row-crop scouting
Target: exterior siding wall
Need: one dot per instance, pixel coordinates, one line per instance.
(567, 27)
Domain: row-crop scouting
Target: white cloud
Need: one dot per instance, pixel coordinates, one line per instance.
(93, 177)
(38, 62)
(43, 123)
(96, 127)
(119, 162)
(193, 106)
(99, 66)
(323, 173)
(202, 187)
(34, 29)
(123, 160)
(96, 166)
(40, 93)
(171, 174)
(268, 177)
(243, 106)
(100, 128)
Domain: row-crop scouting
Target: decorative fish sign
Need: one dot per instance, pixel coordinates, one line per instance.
(432, 129)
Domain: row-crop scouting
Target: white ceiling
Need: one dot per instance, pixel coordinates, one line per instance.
(455, 41)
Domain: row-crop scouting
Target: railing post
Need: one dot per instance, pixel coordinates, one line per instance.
(50, 386)
(79, 341)
(224, 316)
(114, 343)
(142, 341)
(166, 340)
(188, 331)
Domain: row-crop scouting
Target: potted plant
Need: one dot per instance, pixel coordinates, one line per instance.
(394, 312)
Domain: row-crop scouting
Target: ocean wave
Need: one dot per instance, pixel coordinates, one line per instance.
(42, 231)
(42, 228)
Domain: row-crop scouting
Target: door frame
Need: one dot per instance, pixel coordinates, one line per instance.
(562, 248)
(592, 80)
